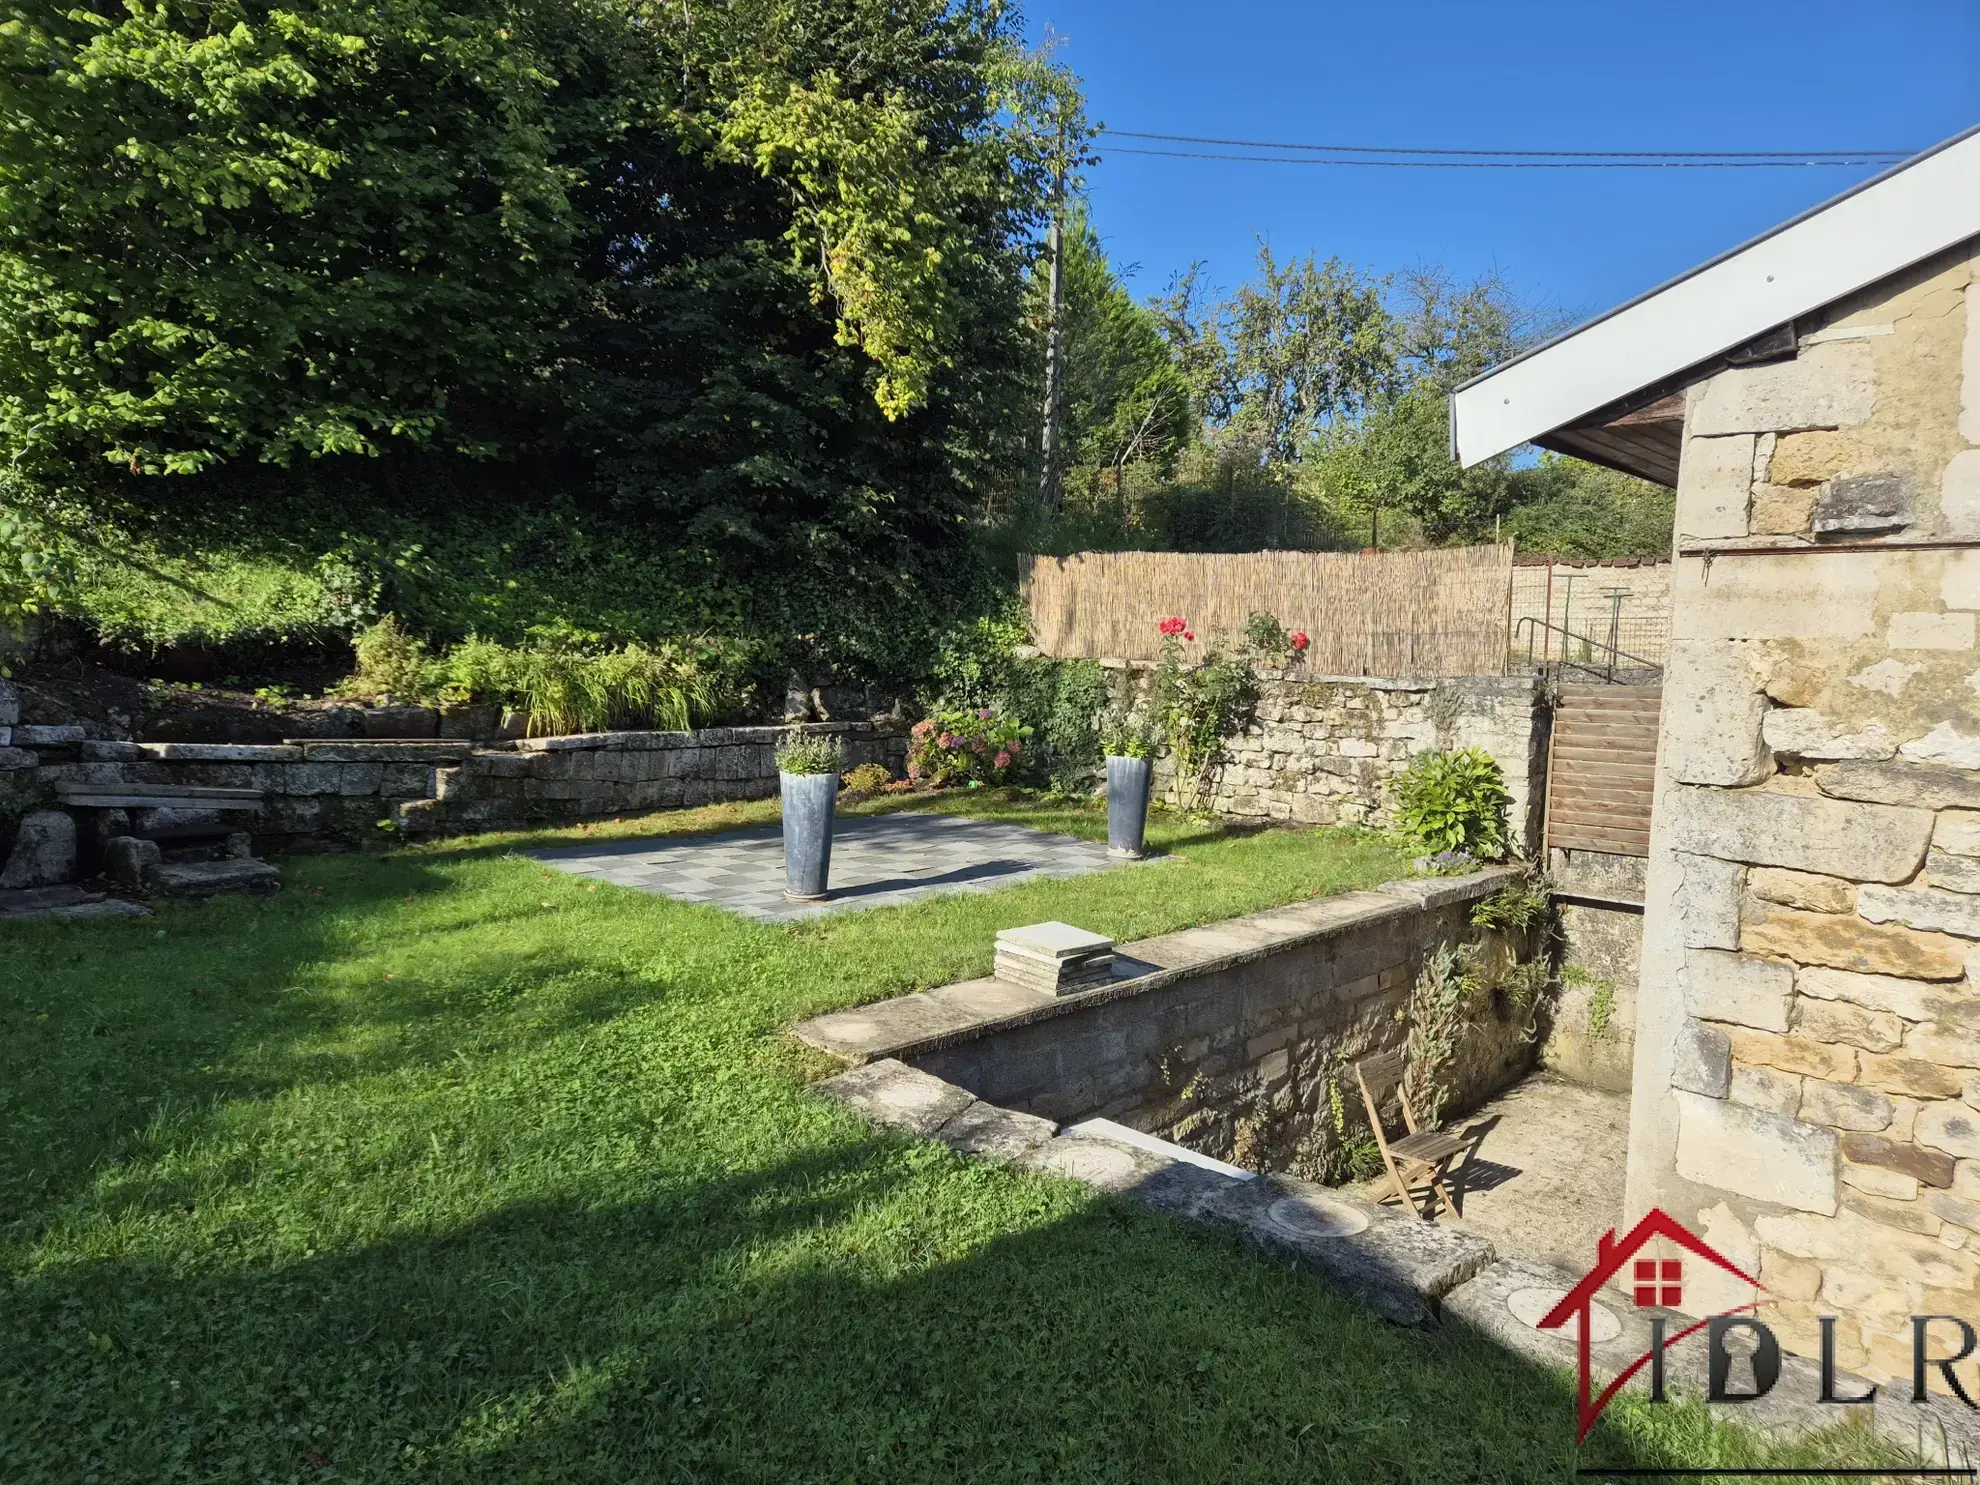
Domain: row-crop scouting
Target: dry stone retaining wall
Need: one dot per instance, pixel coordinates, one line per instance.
(334, 794)
(1322, 750)
(1807, 1074)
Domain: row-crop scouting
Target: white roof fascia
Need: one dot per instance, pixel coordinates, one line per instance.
(1901, 217)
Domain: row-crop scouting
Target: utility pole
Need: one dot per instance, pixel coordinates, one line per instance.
(1048, 477)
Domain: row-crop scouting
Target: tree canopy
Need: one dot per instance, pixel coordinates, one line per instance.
(596, 311)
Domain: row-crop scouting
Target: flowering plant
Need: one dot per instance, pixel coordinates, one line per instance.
(979, 745)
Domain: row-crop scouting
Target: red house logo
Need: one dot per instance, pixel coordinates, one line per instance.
(1655, 1282)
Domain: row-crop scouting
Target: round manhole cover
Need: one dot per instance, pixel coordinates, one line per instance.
(1529, 1305)
(1315, 1217)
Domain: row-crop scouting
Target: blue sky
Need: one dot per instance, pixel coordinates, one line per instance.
(1517, 74)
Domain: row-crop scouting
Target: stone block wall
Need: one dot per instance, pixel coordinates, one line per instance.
(1323, 750)
(1807, 1061)
(333, 795)
(1591, 1025)
(1242, 1058)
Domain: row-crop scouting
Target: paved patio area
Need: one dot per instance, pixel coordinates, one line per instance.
(1543, 1178)
(877, 861)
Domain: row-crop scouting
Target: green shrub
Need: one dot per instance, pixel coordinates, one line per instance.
(566, 680)
(1452, 802)
(391, 662)
(957, 747)
(868, 777)
(808, 753)
(1516, 907)
(1129, 733)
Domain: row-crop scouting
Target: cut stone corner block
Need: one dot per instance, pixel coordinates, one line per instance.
(889, 1093)
(1712, 716)
(1702, 1061)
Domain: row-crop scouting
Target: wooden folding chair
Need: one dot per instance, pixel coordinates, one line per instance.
(1419, 1151)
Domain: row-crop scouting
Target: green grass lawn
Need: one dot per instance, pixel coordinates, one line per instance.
(443, 1167)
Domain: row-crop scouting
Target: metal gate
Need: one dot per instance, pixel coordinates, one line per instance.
(1601, 768)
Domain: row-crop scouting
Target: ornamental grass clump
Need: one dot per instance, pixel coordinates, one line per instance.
(566, 680)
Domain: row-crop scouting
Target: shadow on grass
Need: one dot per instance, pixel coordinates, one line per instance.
(114, 1027)
(825, 1318)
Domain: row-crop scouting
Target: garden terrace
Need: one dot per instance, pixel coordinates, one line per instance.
(444, 1165)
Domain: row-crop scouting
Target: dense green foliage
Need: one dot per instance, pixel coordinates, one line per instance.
(648, 321)
(1318, 418)
(564, 679)
(441, 1167)
(1452, 802)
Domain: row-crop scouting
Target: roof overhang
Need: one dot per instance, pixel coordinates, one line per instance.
(1580, 391)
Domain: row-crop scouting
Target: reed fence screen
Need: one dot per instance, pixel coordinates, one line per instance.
(1431, 613)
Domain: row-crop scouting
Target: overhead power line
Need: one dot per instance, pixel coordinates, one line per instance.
(1420, 158)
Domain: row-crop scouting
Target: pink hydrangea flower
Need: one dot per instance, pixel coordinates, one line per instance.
(1004, 760)
(983, 713)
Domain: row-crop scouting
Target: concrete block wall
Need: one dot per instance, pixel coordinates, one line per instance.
(1807, 1058)
(1241, 1059)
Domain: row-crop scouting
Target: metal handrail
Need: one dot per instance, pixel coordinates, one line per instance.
(1533, 626)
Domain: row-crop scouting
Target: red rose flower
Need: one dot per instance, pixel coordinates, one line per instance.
(1299, 640)
(1190, 635)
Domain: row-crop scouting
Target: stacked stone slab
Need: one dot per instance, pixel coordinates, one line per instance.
(1807, 1074)
(1054, 958)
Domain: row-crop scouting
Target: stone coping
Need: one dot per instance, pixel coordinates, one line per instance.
(924, 1021)
(1400, 1266)
(1409, 1271)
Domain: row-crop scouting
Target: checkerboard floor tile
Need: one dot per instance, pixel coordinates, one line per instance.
(877, 861)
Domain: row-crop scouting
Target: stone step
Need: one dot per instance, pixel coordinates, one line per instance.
(196, 879)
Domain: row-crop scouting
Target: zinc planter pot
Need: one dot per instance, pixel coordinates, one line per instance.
(810, 807)
(1128, 781)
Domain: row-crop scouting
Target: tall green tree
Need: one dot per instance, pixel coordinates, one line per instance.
(636, 316)
(1293, 349)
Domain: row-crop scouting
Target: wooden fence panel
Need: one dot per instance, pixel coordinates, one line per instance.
(1438, 612)
(1601, 767)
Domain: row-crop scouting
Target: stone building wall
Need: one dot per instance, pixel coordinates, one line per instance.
(1240, 1057)
(327, 795)
(1323, 750)
(1591, 1024)
(1807, 1064)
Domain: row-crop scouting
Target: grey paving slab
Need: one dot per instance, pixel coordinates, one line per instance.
(877, 861)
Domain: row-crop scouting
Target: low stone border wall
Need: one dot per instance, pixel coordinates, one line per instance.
(1230, 1039)
(1408, 1271)
(334, 794)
